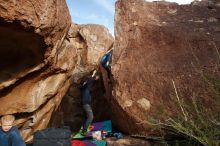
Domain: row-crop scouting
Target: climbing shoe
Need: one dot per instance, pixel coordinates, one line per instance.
(83, 133)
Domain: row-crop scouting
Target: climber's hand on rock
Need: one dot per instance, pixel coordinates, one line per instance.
(94, 72)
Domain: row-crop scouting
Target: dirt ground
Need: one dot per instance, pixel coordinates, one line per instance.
(129, 141)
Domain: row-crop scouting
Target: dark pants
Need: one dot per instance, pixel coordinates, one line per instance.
(108, 69)
(89, 116)
(11, 138)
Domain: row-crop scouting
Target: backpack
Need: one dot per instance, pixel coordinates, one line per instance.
(52, 137)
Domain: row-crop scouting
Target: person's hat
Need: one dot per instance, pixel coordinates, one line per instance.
(7, 120)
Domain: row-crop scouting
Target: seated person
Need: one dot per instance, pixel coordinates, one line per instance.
(9, 134)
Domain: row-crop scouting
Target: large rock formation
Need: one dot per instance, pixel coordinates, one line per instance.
(40, 57)
(156, 43)
(31, 31)
(34, 78)
(91, 41)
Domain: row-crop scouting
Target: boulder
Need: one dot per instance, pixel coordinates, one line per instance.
(41, 55)
(157, 43)
(91, 42)
(32, 31)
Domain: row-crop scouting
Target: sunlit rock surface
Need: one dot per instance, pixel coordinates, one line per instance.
(42, 54)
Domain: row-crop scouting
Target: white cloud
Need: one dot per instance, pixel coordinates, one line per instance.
(106, 4)
(177, 1)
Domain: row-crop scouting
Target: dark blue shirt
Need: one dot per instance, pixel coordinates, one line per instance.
(11, 138)
(86, 91)
(106, 58)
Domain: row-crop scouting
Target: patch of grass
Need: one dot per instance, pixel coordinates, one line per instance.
(198, 122)
(198, 116)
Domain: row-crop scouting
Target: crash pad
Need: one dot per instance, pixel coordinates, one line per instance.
(97, 126)
(89, 143)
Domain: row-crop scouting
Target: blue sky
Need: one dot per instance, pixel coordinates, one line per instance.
(98, 11)
(93, 12)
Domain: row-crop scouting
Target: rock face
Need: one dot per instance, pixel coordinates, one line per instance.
(156, 43)
(31, 31)
(91, 42)
(34, 76)
(98, 40)
(41, 55)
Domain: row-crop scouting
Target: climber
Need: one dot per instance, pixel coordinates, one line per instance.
(9, 134)
(86, 100)
(106, 60)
